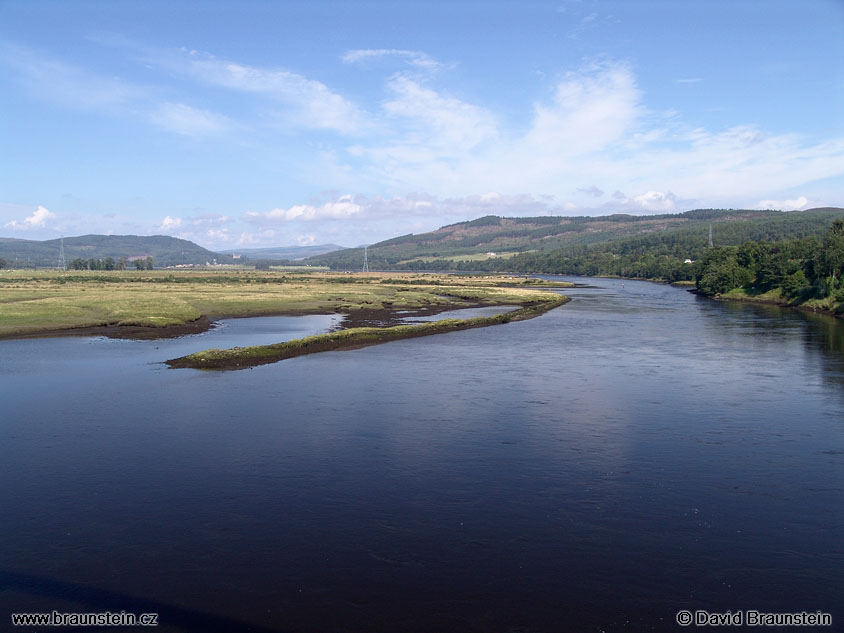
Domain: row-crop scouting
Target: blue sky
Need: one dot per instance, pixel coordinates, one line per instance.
(249, 124)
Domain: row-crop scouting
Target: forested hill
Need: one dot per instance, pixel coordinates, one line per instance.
(616, 245)
(164, 250)
(664, 255)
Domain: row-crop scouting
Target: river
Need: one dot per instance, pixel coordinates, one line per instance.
(636, 452)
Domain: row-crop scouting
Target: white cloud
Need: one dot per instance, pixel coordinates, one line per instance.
(590, 126)
(784, 205)
(343, 208)
(594, 127)
(426, 139)
(441, 121)
(404, 208)
(306, 102)
(38, 220)
(308, 239)
(209, 230)
(417, 59)
(590, 110)
(656, 201)
(169, 224)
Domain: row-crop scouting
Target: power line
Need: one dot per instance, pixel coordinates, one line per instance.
(62, 262)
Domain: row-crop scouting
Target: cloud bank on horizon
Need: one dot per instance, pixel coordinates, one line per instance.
(255, 140)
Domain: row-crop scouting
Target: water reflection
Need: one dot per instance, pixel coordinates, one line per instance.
(635, 452)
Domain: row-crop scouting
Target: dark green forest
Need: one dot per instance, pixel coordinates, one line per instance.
(659, 256)
(802, 269)
(646, 247)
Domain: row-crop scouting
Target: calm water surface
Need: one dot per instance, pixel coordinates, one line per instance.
(633, 453)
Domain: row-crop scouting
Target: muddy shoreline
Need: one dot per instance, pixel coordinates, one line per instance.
(353, 338)
(768, 302)
(356, 318)
(780, 304)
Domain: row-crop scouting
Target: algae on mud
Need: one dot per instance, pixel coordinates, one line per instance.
(244, 357)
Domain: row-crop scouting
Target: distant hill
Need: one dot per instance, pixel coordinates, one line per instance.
(285, 252)
(492, 242)
(164, 250)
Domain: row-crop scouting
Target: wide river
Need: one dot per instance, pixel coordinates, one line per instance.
(636, 452)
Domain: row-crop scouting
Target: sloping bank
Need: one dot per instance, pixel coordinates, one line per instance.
(243, 357)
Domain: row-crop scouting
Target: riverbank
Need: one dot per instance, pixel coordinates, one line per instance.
(244, 357)
(166, 304)
(775, 298)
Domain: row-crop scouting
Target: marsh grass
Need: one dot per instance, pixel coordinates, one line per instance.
(244, 357)
(775, 297)
(33, 302)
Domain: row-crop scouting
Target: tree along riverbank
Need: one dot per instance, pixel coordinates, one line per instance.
(807, 273)
(243, 357)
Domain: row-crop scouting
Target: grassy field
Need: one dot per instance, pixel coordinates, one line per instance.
(33, 302)
(469, 257)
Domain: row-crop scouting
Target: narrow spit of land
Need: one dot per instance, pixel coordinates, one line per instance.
(158, 304)
(244, 357)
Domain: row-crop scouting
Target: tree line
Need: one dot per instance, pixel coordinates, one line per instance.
(806, 268)
(660, 255)
(109, 263)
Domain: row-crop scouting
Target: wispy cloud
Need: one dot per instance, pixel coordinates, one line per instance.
(306, 102)
(796, 204)
(436, 120)
(68, 85)
(588, 132)
(593, 128)
(590, 110)
(188, 121)
(417, 59)
(591, 191)
(355, 208)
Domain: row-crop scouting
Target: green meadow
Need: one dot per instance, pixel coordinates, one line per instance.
(36, 302)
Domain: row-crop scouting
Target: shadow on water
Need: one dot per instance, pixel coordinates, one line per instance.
(785, 331)
(828, 334)
(92, 600)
